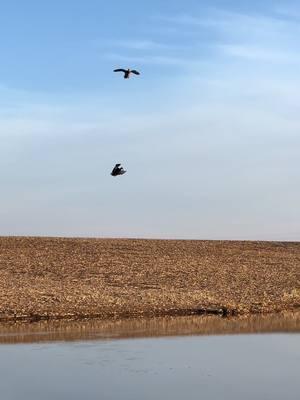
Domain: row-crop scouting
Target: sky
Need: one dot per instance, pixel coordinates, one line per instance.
(209, 133)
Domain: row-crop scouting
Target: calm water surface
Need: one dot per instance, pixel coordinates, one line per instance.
(256, 366)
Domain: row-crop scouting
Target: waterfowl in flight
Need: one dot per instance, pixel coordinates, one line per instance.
(127, 72)
(118, 170)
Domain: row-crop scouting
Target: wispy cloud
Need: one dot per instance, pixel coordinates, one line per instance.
(212, 17)
(245, 36)
(217, 33)
(138, 44)
(152, 60)
(257, 53)
(237, 25)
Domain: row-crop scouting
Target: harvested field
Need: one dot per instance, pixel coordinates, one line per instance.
(43, 278)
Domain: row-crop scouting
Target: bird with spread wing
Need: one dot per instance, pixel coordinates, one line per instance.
(127, 72)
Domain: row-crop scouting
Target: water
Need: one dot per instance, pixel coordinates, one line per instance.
(257, 366)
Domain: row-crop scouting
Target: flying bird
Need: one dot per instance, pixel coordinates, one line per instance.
(127, 72)
(117, 170)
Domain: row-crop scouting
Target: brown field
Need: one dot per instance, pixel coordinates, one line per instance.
(43, 278)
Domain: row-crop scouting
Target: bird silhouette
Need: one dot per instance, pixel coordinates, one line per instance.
(117, 170)
(127, 72)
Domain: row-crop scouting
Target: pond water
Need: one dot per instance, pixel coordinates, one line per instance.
(199, 366)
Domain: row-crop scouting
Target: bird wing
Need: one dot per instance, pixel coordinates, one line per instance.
(135, 72)
(119, 70)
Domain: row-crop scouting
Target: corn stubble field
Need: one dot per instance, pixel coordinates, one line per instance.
(86, 278)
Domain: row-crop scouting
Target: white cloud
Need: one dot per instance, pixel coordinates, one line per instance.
(259, 53)
(237, 26)
(139, 44)
(263, 38)
(224, 149)
(153, 59)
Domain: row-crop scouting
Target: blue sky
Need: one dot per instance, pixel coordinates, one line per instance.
(209, 132)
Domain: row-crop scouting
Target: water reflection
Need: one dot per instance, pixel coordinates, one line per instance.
(231, 367)
(138, 328)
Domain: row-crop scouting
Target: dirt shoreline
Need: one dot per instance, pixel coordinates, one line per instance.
(65, 278)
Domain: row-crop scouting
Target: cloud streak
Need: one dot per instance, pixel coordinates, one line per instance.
(248, 37)
(139, 44)
(260, 53)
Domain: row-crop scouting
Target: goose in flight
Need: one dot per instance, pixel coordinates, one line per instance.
(118, 170)
(127, 72)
